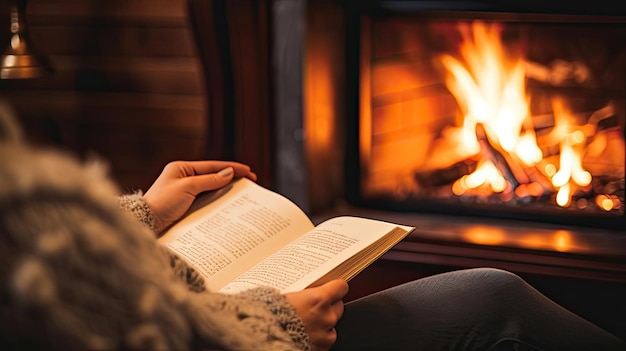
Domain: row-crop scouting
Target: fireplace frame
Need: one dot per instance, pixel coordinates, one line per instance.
(359, 12)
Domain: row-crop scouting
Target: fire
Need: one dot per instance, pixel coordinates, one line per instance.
(485, 175)
(490, 88)
(571, 169)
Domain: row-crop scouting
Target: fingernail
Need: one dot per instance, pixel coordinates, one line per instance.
(226, 172)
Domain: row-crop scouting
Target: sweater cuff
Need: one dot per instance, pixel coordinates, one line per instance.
(285, 314)
(135, 204)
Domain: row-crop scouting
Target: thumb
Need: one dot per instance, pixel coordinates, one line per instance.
(335, 290)
(212, 181)
(227, 173)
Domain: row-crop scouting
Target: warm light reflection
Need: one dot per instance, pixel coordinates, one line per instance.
(16, 42)
(319, 127)
(485, 235)
(561, 241)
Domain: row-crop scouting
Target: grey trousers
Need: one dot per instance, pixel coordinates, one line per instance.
(472, 309)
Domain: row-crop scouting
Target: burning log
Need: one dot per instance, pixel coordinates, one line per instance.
(602, 119)
(489, 152)
(538, 185)
(559, 72)
(444, 176)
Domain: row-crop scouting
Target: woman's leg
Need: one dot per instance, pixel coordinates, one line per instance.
(473, 309)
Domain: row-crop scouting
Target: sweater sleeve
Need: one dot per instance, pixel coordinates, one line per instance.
(260, 319)
(285, 314)
(135, 204)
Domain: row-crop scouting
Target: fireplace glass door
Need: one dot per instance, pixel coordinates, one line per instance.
(507, 116)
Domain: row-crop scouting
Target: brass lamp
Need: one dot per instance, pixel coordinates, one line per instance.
(17, 60)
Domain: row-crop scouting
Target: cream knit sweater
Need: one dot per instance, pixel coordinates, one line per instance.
(79, 273)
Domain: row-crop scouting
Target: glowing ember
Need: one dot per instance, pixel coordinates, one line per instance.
(485, 174)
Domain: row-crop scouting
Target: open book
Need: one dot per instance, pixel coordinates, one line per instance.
(245, 235)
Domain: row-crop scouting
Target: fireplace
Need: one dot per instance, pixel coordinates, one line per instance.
(292, 85)
(355, 107)
(473, 110)
(403, 103)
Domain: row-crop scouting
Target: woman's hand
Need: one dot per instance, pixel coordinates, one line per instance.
(171, 195)
(320, 309)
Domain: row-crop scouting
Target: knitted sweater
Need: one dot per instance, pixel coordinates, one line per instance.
(79, 273)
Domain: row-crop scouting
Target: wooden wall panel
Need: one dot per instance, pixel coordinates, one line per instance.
(92, 37)
(126, 84)
(169, 10)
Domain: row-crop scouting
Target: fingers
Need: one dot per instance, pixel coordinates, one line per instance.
(207, 182)
(337, 290)
(324, 338)
(199, 176)
(207, 167)
(325, 342)
(331, 295)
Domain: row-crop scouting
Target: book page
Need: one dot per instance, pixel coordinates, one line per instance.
(319, 251)
(236, 229)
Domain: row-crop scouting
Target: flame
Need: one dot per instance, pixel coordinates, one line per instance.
(571, 140)
(489, 87)
(485, 174)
